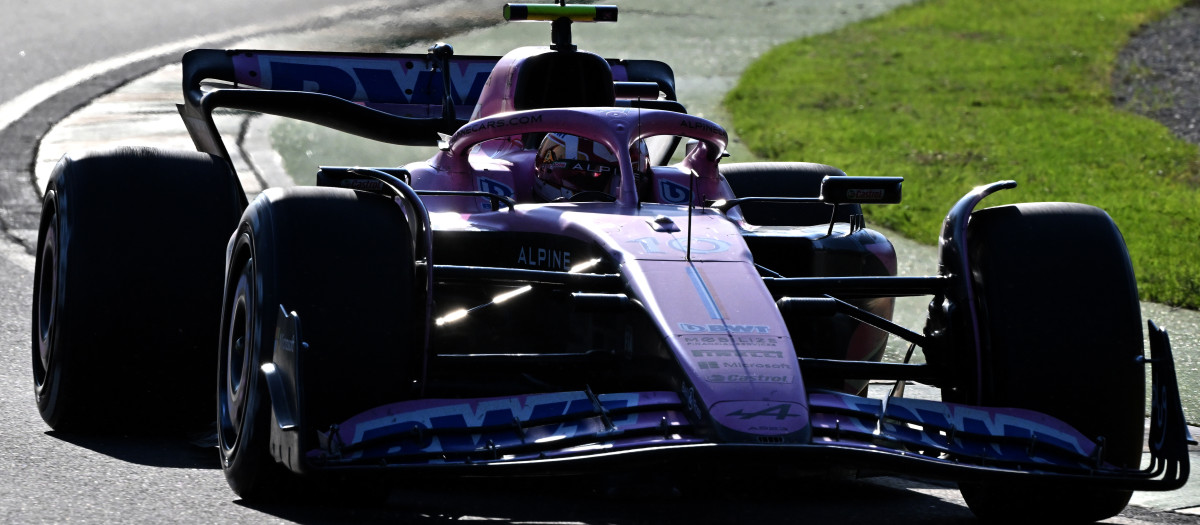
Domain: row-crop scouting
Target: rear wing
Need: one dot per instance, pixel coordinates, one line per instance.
(392, 98)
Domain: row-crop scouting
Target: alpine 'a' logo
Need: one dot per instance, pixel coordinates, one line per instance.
(780, 411)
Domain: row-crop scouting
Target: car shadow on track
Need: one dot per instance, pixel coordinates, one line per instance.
(642, 501)
(167, 451)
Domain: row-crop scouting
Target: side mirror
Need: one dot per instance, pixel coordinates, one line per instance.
(861, 190)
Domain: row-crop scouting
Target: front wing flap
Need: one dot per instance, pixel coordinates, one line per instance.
(536, 426)
(581, 432)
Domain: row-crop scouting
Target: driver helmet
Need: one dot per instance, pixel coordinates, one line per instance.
(569, 164)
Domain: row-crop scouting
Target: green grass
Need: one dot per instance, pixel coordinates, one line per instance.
(305, 147)
(950, 94)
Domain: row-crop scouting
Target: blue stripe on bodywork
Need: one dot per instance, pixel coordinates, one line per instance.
(705, 298)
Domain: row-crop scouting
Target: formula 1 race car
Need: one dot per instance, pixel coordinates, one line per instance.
(576, 283)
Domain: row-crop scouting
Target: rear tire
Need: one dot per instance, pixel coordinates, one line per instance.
(1043, 271)
(343, 260)
(784, 179)
(129, 262)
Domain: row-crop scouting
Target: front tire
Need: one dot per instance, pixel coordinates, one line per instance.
(343, 260)
(1061, 331)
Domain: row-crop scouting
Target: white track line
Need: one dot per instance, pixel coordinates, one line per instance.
(19, 106)
(16, 108)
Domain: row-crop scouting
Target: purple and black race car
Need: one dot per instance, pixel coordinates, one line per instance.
(577, 283)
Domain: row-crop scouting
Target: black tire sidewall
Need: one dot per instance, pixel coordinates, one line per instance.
(343, 260)
(249, 468)
(1061, 333)
(1061, 319)
(130, 338)
(48, 384)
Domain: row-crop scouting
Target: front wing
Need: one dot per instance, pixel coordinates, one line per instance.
(581, 432)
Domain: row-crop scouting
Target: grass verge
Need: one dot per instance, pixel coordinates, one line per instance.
(950, 94)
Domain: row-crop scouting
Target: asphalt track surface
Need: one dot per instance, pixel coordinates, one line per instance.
(52, 477)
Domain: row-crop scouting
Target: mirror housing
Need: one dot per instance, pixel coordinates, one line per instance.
(861, 190)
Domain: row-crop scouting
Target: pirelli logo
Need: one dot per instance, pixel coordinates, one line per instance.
(755, 354)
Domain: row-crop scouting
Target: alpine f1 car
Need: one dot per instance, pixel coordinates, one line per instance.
(552, 294)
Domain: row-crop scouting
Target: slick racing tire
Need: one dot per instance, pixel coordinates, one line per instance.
(1061, 331)
(784, 179)
(343, 262)
(126, 291)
